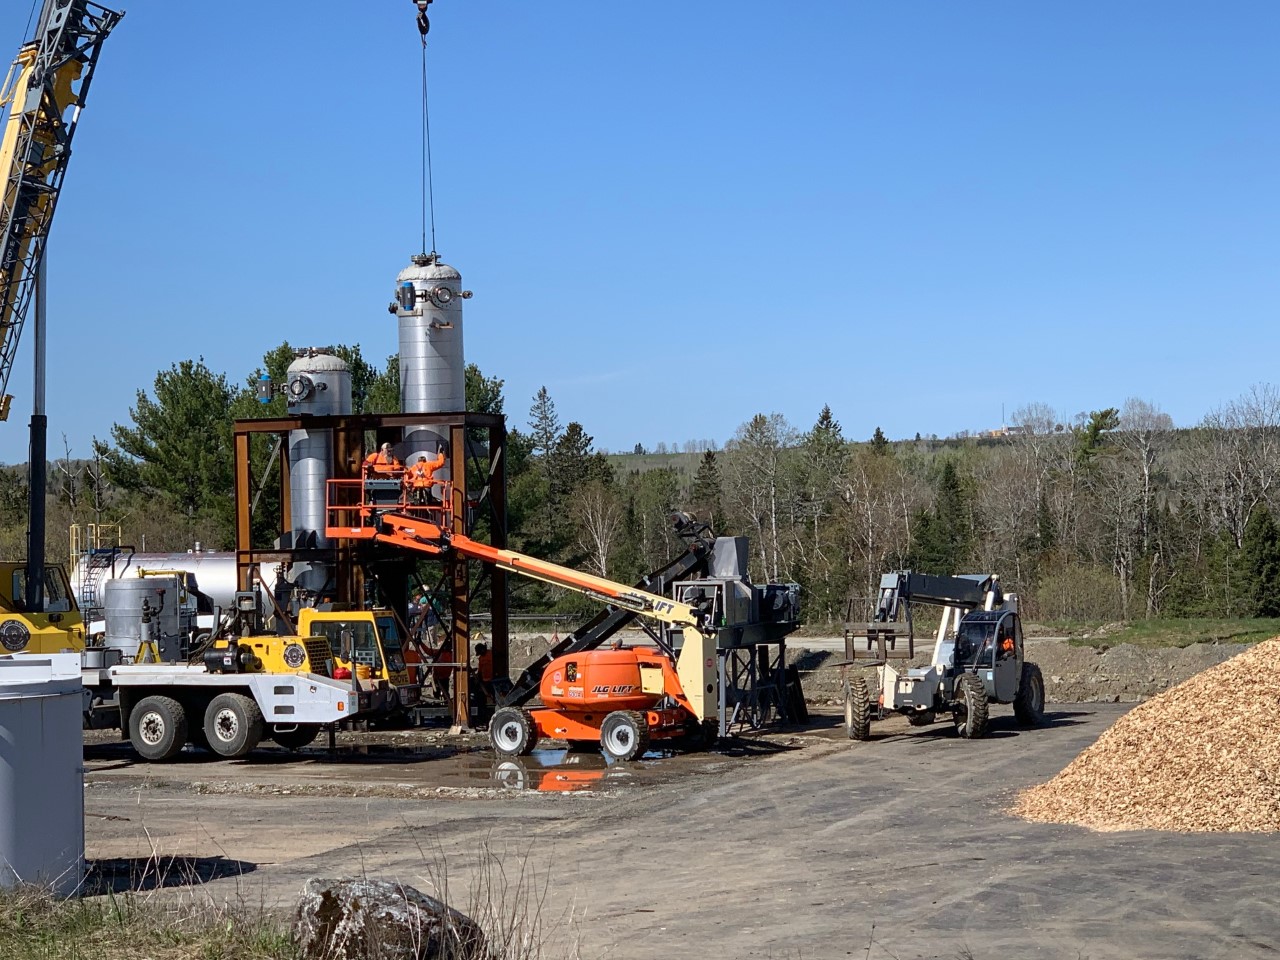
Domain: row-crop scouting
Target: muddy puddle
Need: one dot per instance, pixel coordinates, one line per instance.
(409, 762)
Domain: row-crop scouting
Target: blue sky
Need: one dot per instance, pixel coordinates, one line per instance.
(677, 215)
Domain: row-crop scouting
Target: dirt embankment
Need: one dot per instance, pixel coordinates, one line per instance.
(1072, 674)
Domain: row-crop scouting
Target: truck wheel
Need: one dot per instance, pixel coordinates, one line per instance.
(1028, 705)
(158, 728)
(512, 732)
(970, 710)
(297, 738)
(233, 725)
(624, 735)
(857, 708)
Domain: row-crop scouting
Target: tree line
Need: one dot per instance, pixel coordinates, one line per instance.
(1113, 515)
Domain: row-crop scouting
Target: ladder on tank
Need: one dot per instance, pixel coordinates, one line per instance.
(94, 551)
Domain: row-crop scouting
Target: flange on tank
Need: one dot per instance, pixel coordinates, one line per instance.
(318, 384)
(428, 305)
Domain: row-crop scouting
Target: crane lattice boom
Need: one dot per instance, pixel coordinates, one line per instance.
(44, 91)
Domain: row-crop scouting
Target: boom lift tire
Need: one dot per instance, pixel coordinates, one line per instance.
(971, 714)
(857, 708)
(624, 735)
(1028, 705)
(512, 732)
(233, 725)
(301, 736)
(158, 728)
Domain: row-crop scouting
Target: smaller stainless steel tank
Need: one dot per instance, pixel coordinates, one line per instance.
(123, 605)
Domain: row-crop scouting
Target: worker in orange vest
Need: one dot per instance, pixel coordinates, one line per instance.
(383, 463)
(484, 672)
(421, 477)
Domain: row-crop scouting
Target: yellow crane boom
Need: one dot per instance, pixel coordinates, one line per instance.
(44, 92)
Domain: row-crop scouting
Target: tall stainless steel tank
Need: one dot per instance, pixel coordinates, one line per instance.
(429, 299)
(318, 384)
(123, 606)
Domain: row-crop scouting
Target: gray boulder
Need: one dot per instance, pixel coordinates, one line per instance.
(379, 920)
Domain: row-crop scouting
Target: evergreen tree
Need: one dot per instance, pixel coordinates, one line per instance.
(705, 500)
(179, 447)
(1260, 563)
(943, 537)
(1089, 435)
(879, 443)
(544, 424)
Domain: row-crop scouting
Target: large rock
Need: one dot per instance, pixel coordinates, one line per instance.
(379, 920)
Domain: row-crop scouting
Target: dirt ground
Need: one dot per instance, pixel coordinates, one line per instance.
(797, 844)
(1124, 673)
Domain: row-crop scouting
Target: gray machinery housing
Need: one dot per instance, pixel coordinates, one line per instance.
(150, 605)
(318, 384)
(752, 623)
(428, 306)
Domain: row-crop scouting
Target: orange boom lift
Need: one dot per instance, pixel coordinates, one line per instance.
(622, 699)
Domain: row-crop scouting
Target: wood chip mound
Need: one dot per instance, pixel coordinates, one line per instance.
(1201, 757)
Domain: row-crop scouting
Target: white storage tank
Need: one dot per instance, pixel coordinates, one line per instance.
(41, 772)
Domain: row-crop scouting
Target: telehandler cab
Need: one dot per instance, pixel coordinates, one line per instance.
(978, 657)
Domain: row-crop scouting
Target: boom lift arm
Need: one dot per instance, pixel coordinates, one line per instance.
(597, 631)
(696, 660)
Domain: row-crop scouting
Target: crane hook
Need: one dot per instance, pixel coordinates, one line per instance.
(424, 24)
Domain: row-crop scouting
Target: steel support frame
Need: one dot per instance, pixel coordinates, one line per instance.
(349, 557)
(752, 686)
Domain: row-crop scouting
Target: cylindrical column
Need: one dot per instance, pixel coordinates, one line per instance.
(429, 299)
(318, 385)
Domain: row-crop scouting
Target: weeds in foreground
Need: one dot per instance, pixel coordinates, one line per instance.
(159, 908)
(37, 926)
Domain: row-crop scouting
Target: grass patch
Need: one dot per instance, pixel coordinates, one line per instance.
(1173, 633)
(37, 926)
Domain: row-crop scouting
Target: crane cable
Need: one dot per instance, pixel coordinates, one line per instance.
(428, 179)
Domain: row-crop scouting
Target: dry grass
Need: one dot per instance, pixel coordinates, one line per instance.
(164, 912)
(36, 926)
(1201, 757)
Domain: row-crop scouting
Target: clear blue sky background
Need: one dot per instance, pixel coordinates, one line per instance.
(675, 215)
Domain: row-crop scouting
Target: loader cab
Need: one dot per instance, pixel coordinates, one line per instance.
(370, 639)
(989, 643)
(58, 628)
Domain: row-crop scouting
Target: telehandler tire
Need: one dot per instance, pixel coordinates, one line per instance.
(624, 735)
(301, 736)
(233, 725)
(158, 728)
(921, 718)
(971, 713)
(512, 732)
(857, 708)
(1028, 705)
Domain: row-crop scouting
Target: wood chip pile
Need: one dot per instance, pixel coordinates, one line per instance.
(1203, 756)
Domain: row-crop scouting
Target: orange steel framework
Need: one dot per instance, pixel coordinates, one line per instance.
(350, 557)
